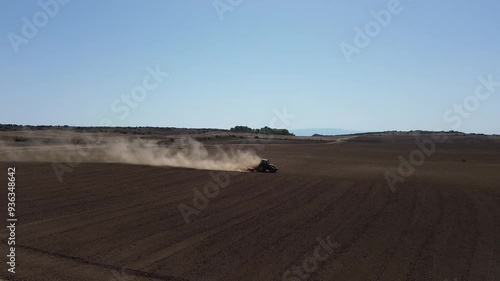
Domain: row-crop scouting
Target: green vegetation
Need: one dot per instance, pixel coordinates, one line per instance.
(114, 130)
(242, 129)
(146, 130)
(265, 130)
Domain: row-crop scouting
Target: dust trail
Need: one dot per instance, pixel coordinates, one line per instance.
(184, 152)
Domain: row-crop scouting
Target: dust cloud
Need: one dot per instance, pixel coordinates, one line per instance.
(183, 152)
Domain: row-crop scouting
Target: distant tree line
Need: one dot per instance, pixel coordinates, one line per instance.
(265, 130)
(137, 130)
(144, 130)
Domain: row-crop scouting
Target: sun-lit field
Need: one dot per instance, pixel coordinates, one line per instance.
(328, 214)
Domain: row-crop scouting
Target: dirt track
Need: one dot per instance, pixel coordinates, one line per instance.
(122, 222)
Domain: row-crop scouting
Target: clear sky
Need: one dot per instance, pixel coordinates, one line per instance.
(235, 66)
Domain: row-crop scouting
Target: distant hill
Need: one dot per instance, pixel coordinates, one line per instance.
(323, 131)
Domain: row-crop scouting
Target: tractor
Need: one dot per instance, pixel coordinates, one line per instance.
(264, 166)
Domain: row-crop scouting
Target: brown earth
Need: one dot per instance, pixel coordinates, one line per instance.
(122, 222)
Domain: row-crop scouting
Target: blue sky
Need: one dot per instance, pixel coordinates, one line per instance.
(262, 57)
